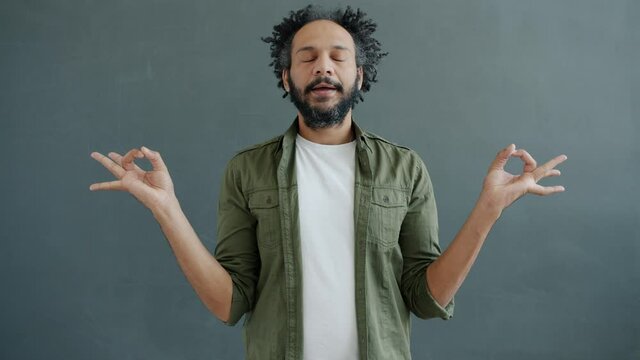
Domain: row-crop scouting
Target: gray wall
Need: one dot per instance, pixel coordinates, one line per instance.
(90, 276)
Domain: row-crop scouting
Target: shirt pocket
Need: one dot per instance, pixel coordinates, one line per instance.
(263, 204)
(388, 208)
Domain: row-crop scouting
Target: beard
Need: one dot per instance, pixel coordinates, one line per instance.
(317, 117)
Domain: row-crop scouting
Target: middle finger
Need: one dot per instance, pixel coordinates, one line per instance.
(548, 166)
(114, 168)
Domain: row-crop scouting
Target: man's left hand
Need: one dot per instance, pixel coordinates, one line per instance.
(500, 188)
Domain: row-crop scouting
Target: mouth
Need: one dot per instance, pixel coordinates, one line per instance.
(324, 89)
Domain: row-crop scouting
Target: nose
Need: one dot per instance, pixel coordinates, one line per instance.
(323, 66)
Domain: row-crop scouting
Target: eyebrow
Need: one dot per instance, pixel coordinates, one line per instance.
(310, 48)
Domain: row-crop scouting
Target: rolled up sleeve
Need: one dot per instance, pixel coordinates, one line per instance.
(420, 247)
(236, 248)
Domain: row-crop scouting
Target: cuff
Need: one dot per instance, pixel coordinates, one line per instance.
(238, 307)
(428, 307)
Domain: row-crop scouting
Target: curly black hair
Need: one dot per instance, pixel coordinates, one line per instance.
(368, 51)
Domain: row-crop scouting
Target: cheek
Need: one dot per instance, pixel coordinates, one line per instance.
(296, 79)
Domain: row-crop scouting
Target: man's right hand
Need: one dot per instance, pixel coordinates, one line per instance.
(154, 189)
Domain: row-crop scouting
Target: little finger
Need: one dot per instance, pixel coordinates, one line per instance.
(109, 185)
(546, 190)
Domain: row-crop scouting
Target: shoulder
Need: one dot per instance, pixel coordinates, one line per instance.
(270, 144)
(256, 153)
(255, 166)
(394, 165)
(381, 141)
(380, 146)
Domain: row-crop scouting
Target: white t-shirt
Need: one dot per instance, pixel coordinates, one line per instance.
(326, 175)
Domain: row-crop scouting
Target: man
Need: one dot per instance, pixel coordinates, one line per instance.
(327, 234)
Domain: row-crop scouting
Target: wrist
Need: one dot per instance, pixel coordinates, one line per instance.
(166, 209)
(488, 206)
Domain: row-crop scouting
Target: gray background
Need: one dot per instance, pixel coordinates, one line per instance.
(90, 276)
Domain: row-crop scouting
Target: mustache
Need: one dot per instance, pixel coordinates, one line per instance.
(326, 80)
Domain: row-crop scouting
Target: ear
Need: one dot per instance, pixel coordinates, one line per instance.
(360, 77)
(285, 79)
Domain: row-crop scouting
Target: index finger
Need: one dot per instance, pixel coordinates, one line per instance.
(127, 159)
(529, 162)
(155, 159)
(502, 157)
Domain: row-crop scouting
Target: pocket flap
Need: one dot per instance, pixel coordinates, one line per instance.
(263, 199)
(389, 197)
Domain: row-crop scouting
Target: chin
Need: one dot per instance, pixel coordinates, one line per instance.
(324, 102)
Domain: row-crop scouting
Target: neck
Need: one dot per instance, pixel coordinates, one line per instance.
(335, 135)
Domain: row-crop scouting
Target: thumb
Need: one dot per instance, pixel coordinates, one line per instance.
(155, 159)
(502, 157)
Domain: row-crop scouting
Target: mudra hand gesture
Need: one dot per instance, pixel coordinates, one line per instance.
(152, 188)
(500, 188)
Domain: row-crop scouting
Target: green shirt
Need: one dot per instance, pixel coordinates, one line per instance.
(396, 238)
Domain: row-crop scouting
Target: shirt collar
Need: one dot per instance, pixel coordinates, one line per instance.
(289, 137)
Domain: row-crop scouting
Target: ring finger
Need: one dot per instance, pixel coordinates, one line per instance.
(544, 170)
(113, 168)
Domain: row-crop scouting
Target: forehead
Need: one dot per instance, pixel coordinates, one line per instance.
(322, 34)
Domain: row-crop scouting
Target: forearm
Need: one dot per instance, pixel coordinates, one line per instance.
(208, 278)
(446, 274)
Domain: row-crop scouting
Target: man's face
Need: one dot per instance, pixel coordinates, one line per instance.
(323, 79)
